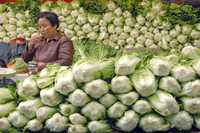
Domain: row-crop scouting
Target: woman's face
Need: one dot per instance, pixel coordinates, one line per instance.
(45, 28)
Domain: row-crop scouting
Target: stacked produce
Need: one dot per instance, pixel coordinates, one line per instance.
(155, 92)
(115, 27)
(19, 65)
(14, 24)
(119, 28)
(7, 105)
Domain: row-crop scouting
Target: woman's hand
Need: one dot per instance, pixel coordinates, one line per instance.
(34, 43)
(41, 65)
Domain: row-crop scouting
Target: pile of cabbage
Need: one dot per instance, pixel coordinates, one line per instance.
(155, 93)
(119, 28)
(115, 27)
(13, 25)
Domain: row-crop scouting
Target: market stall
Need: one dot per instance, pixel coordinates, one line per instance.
(136, 68)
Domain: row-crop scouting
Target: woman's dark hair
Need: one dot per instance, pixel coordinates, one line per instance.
(51, 17)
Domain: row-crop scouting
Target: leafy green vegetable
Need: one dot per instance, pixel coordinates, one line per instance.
(181, 14)
(125, 4)
(92, 6)
(85, 49)
(31, 5)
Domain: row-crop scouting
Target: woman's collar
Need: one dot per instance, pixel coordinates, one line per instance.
(55, 38)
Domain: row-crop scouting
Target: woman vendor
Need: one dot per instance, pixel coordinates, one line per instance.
(50, 46)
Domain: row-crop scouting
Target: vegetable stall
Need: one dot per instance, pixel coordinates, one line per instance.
(142, 77)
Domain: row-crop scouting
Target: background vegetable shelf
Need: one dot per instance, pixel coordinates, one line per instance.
(136, 24)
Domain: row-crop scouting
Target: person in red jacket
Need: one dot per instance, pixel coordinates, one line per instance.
(50, 46)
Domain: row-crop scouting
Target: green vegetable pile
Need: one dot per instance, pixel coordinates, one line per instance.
(154, 92)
